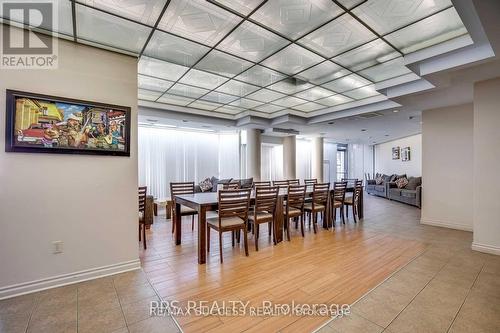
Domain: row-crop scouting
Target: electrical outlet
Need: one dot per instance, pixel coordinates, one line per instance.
(57, 247)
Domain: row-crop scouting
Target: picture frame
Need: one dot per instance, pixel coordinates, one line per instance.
(37, 123)
(395, 153)
(406, 154)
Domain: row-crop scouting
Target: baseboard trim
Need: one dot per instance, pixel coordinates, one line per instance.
(70, 278)
(446, 224)
(486, 248)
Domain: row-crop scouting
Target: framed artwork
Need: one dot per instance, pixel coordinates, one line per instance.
(395, 153)
(47, 124)
(405, 154)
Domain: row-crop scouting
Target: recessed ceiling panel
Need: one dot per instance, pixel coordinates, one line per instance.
(174, 49)
(345, 83)
(314, 93)
(175, 100)
(224, 64)
(342, 34)
(237, 88)
(268, 108)
(350, 3)
(323, 72)
(205, 105)
(387, 70)
(244, 7)
(143, 11)
(433, 30)
(198, 20)
(108, 30)
(161, 69)
(292, 59)
(229, 109)
(367, 55)
(289, 101)
(363, 92)
(148, 95)
(334, 100)
(385, 16)
(252, 42)
(151, 83)
(246, 103)
(290, 86)
(218, 97)
(260, 76)
(295, 18)
(308, 107)
(265, 95)
(202, 79)
(183, 90)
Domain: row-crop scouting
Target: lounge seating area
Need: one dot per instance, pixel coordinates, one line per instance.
(397, 187)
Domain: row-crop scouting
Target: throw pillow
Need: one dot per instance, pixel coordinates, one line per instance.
(401, 182)
(206, 185)
(379, 180)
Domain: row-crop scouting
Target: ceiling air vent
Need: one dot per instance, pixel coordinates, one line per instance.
(369, 115)
(280, 132)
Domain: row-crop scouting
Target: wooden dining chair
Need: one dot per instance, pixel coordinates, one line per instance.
(280, 183)
(261, 184)
(142, 214)
(319, 202)
(231, 186)
(264, 210)
(180, 189)
(338, 200)
(232, 216)
(293, 182)
(294, 207)
(354, 200)
(310, 181)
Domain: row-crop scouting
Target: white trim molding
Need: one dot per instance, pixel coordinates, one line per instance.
(486, 248)
(446, 224)
(70, 278)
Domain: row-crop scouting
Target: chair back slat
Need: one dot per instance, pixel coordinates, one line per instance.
(320, 193)
(266, 198)
(357, 191)
(339, 189)
(261, 184)
(231, 186)
(310, 181)
(280, 183)
(296, 196)
(142, 198)
(181, 188)
(293, 182)
(234, 203)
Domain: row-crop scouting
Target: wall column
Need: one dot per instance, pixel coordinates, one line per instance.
(317, 159)
(486, 160)
(253, 153)
(289, 157)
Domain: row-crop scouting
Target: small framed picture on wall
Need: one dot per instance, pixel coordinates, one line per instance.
(405, 154)
(395, 153)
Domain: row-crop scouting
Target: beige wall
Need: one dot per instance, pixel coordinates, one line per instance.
(385, 164)
(88, 202)
(487, 166)
(447, 167)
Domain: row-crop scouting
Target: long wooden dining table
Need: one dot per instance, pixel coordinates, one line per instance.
(208, 201)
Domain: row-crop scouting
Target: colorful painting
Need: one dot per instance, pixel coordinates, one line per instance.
(39, 123)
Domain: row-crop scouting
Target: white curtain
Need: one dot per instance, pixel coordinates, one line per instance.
(330, 162)
(360, 160)
(172, 155)
(303, 158)
(271, 162)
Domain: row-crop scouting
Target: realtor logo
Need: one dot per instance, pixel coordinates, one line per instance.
(27, 40)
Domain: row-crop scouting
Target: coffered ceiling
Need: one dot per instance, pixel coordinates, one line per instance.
(234, 58)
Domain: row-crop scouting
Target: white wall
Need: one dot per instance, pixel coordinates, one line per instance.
(88, 202)
(447, 154)
(486, 167)
(385, 164)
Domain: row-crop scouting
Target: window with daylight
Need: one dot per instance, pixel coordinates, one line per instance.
(271, 162)
(174, 155)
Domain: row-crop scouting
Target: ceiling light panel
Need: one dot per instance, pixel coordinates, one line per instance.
(367, 55)
(294, 18)
(265, 95)
(202, 79)
(246, 103)
(143, 11)
(308, 107)
(350, 3)
(292, 59)
(433, 30)
(218, 97)
(175, 100)
(323, 72)
(111, 31)
(237, 88)
(252, 42)
(289, 101)
(151, 83)
(148, 95)
(342, 34)
(161, 69)
(198, 20)
(387, 70)
(229, 109)
(290, 86)
(314, 93)
(385, 16)
(174, 49)
(205, 105)
(260, 76)
(183, 90)
(345, 83)
(268, 108)
(361, 93)
(223, 64)
(244, 7)
(334, 100)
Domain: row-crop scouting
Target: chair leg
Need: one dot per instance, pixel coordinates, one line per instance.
(232, 238)
(144, 235)
(315, 219)
(334, 217)
(269, 228)
(192, 222)
(302, 224)
(173, 223)
(208, 239)
(354, 212)
(220, 246)
(347, 212)
(256, 238)
(139, 232)
(245, 240)
(342, 212)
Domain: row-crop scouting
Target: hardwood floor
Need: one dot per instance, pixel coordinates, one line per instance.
(328, 267)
